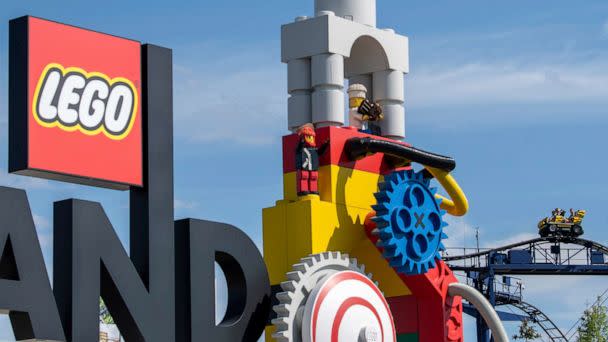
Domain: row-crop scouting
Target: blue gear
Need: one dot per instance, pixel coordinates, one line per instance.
(409, 222)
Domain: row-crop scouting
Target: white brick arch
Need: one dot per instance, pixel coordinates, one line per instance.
(367, 55)
(323, 51)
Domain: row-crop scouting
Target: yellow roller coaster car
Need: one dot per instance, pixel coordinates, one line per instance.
(558, 225)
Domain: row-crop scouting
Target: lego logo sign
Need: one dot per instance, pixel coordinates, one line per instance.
(75, 112)
(72, 99)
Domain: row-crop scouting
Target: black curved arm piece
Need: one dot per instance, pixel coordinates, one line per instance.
(358, 148)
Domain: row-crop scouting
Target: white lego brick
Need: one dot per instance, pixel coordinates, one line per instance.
(360, 11)
(298, 74)
(299, 108)
(327, 69)
(393, 125)
(336, 35)
(328, 107)
(388, 85)
(304, 38)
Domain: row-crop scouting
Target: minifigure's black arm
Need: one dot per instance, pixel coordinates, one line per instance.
(323, 148)
(358, 148)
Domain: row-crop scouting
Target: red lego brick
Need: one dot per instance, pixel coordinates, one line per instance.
(405, 313)
(439, 316)
(335, 154)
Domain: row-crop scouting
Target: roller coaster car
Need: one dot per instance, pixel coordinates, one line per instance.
(558, 225)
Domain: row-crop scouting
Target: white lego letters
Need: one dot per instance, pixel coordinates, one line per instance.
(71, 98)
(92, 106)
(46, 110)
(118, 109)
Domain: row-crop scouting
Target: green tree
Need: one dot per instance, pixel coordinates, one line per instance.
(104, 314)
(526, 332)
(594, 324)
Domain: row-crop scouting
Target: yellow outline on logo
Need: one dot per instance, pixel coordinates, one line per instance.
(79, 127)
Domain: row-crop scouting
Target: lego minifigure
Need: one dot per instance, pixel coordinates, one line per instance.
(558, 215)
(576, 216)
(362, 112)
(307, 160)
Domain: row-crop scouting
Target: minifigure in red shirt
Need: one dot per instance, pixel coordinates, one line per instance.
(307, 161)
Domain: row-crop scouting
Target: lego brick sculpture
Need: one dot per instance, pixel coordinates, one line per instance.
(353, 210)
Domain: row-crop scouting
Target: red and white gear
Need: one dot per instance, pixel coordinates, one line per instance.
(328, 297)
(347, 306)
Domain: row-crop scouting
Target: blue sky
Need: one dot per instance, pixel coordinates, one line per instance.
(516, 91)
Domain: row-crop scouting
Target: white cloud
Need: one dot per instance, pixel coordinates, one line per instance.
(511, 239)
(23, 182)
(46, 241)
(503, 82)
(184, 204)
(43, 230)
(239, 105)
(562, 298)
(242, 98)
(41, 222)
(460, 232)
(250, 107)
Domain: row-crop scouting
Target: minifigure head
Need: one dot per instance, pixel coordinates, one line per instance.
(356, 94)
(307, 132)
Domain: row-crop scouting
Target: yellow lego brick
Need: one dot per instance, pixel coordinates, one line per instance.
(339, 185)
(333, 227)
(298, 222)
(388, 280)
(289, 186)
(311, 226)
(275, 242)
(268, 333)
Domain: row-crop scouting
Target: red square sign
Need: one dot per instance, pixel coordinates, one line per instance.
(77, 99)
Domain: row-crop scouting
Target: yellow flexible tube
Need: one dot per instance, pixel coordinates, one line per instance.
(457, 204)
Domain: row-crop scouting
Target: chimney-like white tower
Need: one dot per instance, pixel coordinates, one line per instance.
(359, 11)
(342, 42)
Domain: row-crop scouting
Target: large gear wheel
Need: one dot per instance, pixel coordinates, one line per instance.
(328, 297)
(409, 222)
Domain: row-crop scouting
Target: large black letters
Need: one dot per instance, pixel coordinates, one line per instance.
(25, 291)
(162, 291)
(89, 259)
(200, 243)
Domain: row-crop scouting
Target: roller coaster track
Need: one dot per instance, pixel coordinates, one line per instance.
(546, 256)
(533, 314)
(576, 241)
(541, 319)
